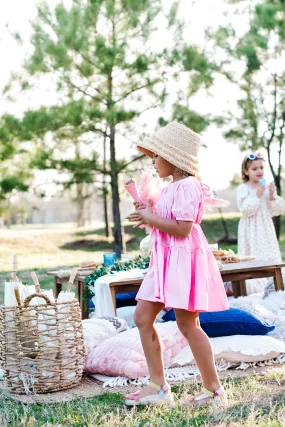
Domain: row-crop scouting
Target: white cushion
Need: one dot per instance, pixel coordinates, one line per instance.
(96, 330)
(127, 313)
(236, 348)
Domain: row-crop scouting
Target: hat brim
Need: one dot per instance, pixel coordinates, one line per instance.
(154, 145)
(146, 152)
(150, 147)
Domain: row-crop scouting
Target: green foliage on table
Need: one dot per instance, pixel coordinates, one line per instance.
(102, 270)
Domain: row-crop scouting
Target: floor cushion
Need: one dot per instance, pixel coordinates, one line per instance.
(122, 355)
(236, 348)
(229, 322)
(96, 330)
(122, 300)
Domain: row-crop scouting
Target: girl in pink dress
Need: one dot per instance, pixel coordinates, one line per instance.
(183, 273)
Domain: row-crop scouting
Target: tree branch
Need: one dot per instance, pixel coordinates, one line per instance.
(281, 136)
(88, 60)
(94, 88)
(68, 81)
(133, 90)
(102, 171)
(272, 130)
(130, 162)
(89, 127)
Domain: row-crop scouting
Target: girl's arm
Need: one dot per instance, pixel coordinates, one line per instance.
(277, 206)
(276, 203)
(248, 205)
(169, 226)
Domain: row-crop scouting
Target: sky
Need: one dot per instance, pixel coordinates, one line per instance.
(219, 161)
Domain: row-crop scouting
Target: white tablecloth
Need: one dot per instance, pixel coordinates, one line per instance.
(102, 298)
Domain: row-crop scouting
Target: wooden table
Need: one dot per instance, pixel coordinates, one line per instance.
(240, 272)
(79, 283)
(236, 273)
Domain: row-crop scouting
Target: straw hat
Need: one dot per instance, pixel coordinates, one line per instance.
(177, 144)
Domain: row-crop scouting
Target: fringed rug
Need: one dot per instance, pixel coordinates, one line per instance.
(87, 388)
(188, 372)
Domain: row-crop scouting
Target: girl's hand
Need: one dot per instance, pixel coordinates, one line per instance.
(139, 205)
(260, 191)
(141, 215)
(272, 190)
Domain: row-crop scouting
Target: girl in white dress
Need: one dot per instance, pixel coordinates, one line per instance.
(258, 203)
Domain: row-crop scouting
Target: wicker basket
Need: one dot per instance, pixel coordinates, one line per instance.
(41, 346)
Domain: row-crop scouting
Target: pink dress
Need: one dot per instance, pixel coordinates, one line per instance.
(183, 272)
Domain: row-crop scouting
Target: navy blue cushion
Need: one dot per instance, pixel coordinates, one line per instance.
(129, 295)
(91, 304)
(229, 322)
(125, 300)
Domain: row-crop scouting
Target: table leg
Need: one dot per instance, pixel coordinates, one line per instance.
(84, 312)
(113, 294)
(78, 290)
(278, 280)
(57, 287)
(242, 286)
(236, 288)
(83, 304)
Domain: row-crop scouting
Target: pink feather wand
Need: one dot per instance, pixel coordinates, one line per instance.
(211, 201)
(150, 188)
(131, 188)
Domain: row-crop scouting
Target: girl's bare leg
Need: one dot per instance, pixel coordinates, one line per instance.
(145, 315)
(189, 325)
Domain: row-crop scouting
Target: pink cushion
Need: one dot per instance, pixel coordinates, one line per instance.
(122, 355)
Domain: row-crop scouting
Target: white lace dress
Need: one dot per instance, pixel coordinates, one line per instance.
(256, 232)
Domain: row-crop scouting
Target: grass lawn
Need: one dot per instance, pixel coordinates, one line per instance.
(254, 400)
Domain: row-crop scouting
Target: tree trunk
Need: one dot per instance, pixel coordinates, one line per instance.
(106, 218)
(224, 224)
(277, 225)
(113, 164)
(108, 230)
(115, 196)
(277, 219)
(80, 201)
(8, 218)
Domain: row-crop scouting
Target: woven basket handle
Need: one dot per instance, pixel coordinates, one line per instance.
(30, 297)
(36, 282)
(14, 271)
(71, 279)
(17, 296)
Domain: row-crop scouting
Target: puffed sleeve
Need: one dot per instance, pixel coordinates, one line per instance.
(248, 203)
(187, 201)
(277, 206)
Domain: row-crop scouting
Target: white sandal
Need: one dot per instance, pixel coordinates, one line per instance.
(163, 395)
(206, 397)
